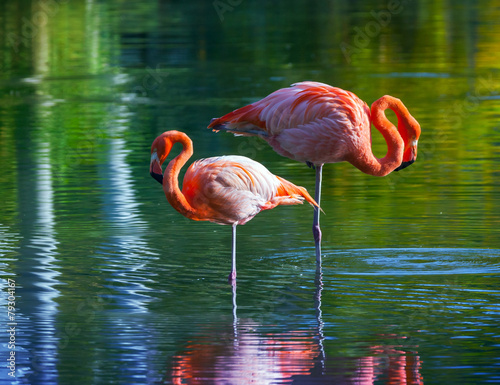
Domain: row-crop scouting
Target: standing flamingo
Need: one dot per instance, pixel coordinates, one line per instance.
(228, 190)
(316, 123)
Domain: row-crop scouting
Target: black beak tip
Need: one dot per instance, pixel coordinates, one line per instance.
(404, 165)
(158, 177)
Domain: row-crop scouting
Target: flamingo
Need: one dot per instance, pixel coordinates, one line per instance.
(316, 123)
(228, 190)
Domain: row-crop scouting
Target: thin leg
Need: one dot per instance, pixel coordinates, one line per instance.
(316, 229)
(232, 276)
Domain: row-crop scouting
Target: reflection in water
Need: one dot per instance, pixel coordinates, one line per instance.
(390, 364)
(252, 357)
(248, 357)
(241, 354)
(38, 286)
(319, 315)
(126, 252)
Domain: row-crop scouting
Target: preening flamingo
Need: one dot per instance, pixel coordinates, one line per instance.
(228, 190)
(316, 123)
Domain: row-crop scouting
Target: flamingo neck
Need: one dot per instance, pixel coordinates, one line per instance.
(366, 161)
(170, 177)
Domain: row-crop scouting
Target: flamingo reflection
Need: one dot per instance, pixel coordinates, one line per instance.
(390, 364)
(286, 358)
(241, 352)
(252, 358)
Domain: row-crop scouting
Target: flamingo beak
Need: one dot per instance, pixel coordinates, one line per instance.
(409, 155)
(404, 165)
(155, 168)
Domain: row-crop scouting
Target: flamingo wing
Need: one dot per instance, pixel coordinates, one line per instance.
(233, 189)
(308, 121)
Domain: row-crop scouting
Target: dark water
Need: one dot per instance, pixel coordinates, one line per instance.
(112, 286)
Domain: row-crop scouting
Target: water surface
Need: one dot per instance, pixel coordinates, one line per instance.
(113, 286)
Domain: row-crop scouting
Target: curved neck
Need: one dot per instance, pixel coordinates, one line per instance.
(170, 177)
(366, 161)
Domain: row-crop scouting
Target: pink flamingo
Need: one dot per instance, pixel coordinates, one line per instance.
(228, 190)
(316, 123)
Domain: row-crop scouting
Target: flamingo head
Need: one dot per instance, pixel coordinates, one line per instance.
(159, 151)
(410, 132)
(409, 129)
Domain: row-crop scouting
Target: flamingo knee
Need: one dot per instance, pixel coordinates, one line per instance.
(317, 233)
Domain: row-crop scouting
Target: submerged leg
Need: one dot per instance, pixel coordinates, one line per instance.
(316, 229)
(232, 276)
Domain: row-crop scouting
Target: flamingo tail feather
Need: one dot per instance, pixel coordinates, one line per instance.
(287, 188)
(243, 121)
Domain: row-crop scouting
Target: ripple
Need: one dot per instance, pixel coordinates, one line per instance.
(391, 261)
(422, 261)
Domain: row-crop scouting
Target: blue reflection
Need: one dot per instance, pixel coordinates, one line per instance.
(125, 253)
(38, 308)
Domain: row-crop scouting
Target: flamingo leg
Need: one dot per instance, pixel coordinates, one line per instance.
(316, 229)
(232, 276)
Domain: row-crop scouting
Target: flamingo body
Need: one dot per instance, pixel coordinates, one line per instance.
(308, 122)
(225, 190)
(233, 189)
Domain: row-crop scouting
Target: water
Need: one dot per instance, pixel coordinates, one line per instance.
(112, 286)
